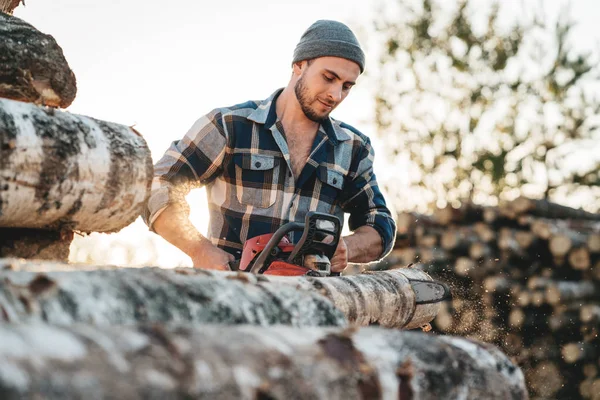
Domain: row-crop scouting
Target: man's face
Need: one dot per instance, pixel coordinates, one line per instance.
(323, 84)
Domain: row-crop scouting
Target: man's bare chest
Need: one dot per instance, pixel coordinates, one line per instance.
(299, 149)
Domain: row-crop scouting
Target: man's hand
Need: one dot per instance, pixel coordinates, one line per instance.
(339, 262)
(176, 228)
(210, 256)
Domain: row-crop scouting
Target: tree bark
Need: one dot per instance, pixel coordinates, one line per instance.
(130, 295)
(64, 171)
(32, 65)
(544, 208)
(8, 6)
(246, 362)
(35, 243)
(563, 292)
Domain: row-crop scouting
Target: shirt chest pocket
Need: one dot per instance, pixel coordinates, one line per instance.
(256, 179)
(331, 184)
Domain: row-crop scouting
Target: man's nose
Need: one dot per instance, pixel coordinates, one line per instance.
(335, 93)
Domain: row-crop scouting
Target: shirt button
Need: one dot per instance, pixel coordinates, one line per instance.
(257, 164)
(334, 181)
(289, 174)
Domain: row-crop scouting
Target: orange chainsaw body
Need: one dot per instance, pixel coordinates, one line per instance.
(253, 247)
(275, 254)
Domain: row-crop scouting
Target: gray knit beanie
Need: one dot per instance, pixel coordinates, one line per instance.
(329, 38)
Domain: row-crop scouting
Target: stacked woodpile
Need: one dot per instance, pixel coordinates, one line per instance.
(59, 173)
(526, 277)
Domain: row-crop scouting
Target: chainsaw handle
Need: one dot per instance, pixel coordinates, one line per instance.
(309, 242)
(272, 243)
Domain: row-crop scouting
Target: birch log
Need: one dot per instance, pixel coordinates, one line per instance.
(130, 295)
(35, 243)
(32, 65)
(7, 6)
(248, 362)
(60, 170)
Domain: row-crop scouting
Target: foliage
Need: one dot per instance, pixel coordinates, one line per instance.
(472, 107)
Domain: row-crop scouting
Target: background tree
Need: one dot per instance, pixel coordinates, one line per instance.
(475, 105)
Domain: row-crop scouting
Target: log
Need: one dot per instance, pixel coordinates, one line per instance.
(485, 233)
(7, 6)
(64, 171)
(248, 362)
(567, 291)
(479, 251)
(579, 352)
(466, 213)
(579, 258)
(561, 243)
(590, 371)
(458, 241)
(544, 228)
(32, 65)
(593, 242)
(546, 379)
(545, 208)
(35, 243)
(130, 295)
(590, 313)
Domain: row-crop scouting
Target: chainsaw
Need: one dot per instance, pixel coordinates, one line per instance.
(275, 254)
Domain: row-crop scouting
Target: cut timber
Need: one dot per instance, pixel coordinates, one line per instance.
(249, 362)
(579, 258)
(32, 66)
(593, 242)
(458, 241)
(544, 208)
(35, 243)
(64, 171)
(579, 352)
(563, 292)
(590, 313)
(546, 379)
(130, 295)
(467, 213)
(544, 228)
(561, 243)
(7, 6)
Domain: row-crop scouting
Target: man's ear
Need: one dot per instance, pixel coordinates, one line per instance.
(298, 67)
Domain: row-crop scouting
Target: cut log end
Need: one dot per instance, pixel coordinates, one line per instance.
(34, 67)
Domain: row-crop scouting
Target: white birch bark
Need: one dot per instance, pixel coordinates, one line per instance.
(248, 362)
(131, 295)
(64, 171)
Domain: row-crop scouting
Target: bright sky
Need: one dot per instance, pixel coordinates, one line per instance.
(161, 65)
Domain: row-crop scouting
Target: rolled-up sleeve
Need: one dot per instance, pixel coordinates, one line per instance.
(364, 201)
(191, 162)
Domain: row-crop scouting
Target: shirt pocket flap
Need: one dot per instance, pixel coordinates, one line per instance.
(255, 162)
(331, 177)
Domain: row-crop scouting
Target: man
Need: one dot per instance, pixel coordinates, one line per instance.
(269, 162)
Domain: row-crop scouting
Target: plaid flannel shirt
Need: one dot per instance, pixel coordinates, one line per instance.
(240, 154)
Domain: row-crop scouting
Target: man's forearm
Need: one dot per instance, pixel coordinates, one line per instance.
(175, 226)
(364, 245)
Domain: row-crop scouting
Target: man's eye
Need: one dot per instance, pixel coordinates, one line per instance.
(348, 87)
(328, 79)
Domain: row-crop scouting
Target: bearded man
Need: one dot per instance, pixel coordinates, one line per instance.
(266, 163)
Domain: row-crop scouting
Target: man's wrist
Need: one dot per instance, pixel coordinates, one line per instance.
(197, 247)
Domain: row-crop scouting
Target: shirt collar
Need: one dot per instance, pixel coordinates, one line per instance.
(266, 114)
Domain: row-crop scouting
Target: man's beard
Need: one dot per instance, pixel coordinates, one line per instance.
(305, 100)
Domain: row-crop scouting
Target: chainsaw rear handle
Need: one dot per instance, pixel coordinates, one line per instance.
(272, 244)
(311, 228)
